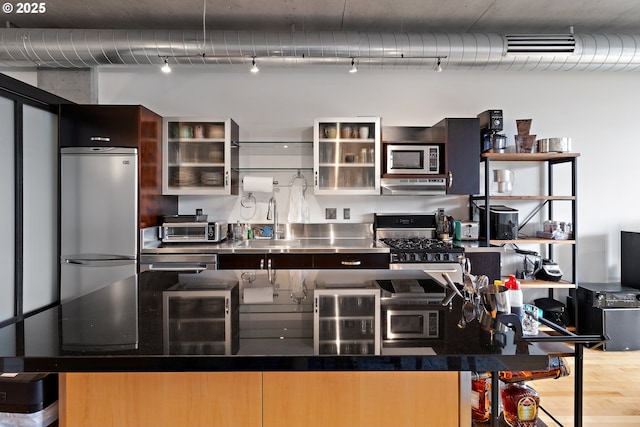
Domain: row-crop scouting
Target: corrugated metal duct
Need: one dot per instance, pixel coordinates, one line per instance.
(78, 48)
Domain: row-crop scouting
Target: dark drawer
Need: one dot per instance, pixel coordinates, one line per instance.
(355, 261)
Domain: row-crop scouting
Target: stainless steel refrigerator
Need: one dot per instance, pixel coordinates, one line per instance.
(99, 217)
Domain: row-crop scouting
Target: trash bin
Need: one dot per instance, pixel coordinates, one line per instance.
(28, 400)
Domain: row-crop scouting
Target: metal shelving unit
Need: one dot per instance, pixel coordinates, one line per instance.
(548, 201)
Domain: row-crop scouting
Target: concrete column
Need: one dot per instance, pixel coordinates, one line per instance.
(77, 85)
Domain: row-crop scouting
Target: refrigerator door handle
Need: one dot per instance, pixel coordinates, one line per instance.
(102, 261)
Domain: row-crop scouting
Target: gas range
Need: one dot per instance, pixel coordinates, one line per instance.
(421, 249)
(412, 242)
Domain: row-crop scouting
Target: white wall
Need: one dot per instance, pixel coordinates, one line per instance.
(596, 109)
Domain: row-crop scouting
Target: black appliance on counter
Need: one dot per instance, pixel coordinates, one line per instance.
(27, 393)
(491, 122)
(503, 222)
(610, 309)
(552, 310)
(411, 238)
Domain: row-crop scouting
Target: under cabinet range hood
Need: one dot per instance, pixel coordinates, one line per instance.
(413, 186)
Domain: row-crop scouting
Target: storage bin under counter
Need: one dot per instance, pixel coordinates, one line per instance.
(201, 317)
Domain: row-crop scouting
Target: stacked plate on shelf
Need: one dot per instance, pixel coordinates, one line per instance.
(211, 178)
(184, 177)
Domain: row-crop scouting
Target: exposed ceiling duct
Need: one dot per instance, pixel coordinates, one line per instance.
(66, 48)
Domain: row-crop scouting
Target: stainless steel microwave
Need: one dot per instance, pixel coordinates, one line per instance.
(412, 159)
(408, 324)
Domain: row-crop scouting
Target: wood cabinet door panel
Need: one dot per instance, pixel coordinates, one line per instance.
(360, 399)
(165, 399)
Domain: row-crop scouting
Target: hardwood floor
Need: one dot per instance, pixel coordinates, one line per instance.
(611, 394)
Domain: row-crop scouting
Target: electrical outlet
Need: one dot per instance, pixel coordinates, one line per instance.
(346, 213)
(330, 213)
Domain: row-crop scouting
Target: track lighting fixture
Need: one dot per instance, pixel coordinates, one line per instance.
(165, 68)
(438, 68)
(254, 67)
(353, 68)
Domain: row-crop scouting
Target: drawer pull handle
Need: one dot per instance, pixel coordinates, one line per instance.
(100, 138)
(351, 263)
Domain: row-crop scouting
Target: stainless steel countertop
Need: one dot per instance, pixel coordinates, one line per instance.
(300, 238)
(272, 246)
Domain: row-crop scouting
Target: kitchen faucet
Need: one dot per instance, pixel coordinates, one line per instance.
(273, 215)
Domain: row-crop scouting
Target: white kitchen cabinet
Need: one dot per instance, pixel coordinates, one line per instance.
(346, 155)
(200, 156)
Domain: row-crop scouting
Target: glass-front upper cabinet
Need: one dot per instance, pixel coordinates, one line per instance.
(200, 156)
(346, 155)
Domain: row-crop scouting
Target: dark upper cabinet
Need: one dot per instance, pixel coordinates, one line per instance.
(103, 125)
(461, 138)
(458, 140)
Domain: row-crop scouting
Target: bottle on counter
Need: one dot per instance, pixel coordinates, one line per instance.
(237, 231)
(515, 295)
(520, 404)
(480, 396)
(557, 368)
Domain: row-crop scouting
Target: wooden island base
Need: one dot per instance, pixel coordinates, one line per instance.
(260, 399)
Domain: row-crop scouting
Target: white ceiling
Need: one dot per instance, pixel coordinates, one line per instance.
(465, 16)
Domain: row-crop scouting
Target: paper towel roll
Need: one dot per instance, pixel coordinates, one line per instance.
(262, 184)
(258, 295)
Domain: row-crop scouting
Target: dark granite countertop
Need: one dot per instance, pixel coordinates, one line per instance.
(120, 328)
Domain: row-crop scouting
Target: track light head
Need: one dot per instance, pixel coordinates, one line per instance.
(438, 68)
(166, 68)
(353, 68)
(254, 68)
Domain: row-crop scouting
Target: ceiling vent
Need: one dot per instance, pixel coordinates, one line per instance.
(540, 44)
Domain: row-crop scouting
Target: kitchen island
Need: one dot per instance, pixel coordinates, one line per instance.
(108, 347)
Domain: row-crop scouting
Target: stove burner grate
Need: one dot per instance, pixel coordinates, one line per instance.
(419, 243)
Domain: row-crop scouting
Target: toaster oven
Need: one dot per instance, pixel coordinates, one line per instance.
(194, 231)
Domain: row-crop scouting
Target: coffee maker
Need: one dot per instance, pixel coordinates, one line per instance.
(491, 122)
